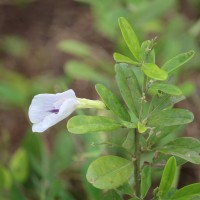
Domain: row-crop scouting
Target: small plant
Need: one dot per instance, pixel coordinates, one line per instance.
(148, 117)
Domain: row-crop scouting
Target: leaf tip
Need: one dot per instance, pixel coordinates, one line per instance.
(114, 56)
(120, 19)
(192, 52)
(97, 86)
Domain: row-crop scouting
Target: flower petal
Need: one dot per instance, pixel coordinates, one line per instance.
(38, 128)
(61, 97)
(43, 103)
(66, 109)
(39, 107)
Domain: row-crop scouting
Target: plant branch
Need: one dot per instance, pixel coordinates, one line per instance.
(137, 176)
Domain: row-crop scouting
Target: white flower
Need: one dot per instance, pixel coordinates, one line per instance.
(48, 109)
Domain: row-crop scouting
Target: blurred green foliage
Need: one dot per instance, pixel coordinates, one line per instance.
(13, 45)
(35, 171)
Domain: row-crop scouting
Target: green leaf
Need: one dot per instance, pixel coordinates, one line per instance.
(177, 61)
(159, 134)
(5, 178)
(188, 88)
(1, 177)
(92, 192)
(130, 38)
(128, 124)
(16, 193)
(141, 127)
(128, 142)
(143, 142)
(154, 72)
(145, 180)
(161, 158)
(87, 124)
(111, 195)
(171, 117)
(29, 142)
(112, 102)
(19, 165)
(187, 193)
(74, 47)
(64, 151)
(79, 70)
(124, 59)
(139, 75)
(167, 177)
(109, 172)
(126, 189)
(129, 87)
(148, 54)
(164, 101)
(166, 88)
(186, 148)
(14, 45)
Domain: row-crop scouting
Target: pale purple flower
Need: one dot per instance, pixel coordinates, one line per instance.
(48, 109)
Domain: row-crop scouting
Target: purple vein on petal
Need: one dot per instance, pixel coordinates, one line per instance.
(54, 110)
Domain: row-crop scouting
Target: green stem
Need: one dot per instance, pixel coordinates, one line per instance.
(137, 176)
(87, 103)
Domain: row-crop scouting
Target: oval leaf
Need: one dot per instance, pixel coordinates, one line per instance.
(166, 88)
(2, 177)
(112, 102)
(154, 72)
(129, 87)
(167, 177)
(171, 117)
(187, 192)
(177, 61)
(186, 148)
(74, 47)
(79, 70)
(19, 165)
(109, 172)
(161, 102)
(145, 180)
(130, 38)
(5, 178)
(123, 59)
(87, 124)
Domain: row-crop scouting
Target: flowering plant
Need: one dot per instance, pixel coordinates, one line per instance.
(47, 110)
(146, 113)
